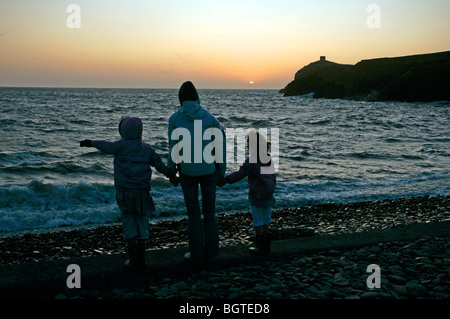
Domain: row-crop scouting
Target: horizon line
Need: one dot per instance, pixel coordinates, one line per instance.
(123, 88)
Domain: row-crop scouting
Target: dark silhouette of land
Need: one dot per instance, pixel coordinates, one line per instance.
(424, 77)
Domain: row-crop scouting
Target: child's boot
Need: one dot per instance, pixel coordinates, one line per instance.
(266, 240)
(258, 248)
(142, 261)
(132, 262)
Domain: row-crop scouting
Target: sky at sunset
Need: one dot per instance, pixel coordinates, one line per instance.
(215, 44)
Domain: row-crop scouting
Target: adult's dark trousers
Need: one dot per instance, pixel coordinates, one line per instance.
(203, 236)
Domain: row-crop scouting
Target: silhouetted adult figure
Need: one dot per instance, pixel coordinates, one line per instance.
(185, 127)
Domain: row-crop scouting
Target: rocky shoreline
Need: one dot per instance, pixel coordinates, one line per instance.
(409, 270)
(382, 79)
(415, 269)
(325, 219)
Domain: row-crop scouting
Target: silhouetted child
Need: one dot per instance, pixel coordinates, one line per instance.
(259, 169)
(132, 174)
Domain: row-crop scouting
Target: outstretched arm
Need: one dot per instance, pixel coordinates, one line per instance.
(104, 146)
(107, 147)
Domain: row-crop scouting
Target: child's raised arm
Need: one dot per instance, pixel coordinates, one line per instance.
(104, 146)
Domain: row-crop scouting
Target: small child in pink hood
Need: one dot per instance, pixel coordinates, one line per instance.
(132, 174)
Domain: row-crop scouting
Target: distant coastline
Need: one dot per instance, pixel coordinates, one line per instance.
(415, 78)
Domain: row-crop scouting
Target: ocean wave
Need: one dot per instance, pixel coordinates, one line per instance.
(39, 204)
(43, 196)
(47, 205)
(59, 168)
(319, 122)
(367, 155)
(8, 122)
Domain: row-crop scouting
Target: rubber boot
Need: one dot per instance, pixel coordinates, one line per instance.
(266, 239)
(142, 261)
(258, 248)
(132, 262)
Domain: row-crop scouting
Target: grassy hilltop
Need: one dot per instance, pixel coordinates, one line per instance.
(424, 77)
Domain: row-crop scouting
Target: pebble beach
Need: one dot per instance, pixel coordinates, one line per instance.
(415, 269)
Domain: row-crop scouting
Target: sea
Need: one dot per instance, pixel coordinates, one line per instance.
(328, 151)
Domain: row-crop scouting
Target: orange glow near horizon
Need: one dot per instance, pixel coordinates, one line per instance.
(233, 44)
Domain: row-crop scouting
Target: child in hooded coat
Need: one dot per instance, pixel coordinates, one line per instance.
(259, 169)
(132, 174)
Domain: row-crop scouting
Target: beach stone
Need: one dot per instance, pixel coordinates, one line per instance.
(203, 285)
(353, 297)
(313, 289)
(274, 295)
(376, 249)
(341, 282)
(397, 279)
(250, 293)
(129, 295)
(369, 295)
(163, 292)
(261, 289)
(410, 246)
(358, 285)
(301, 261)
(440, 289)
(400, 290)
(223, 285)
(202, 294)
(337, 294)
(333, 252)
(412, 272)
(421, 241)
(396, 269)
(234, 295)
(181, 286)
(309, 272)
(117, 291)
(384, 295)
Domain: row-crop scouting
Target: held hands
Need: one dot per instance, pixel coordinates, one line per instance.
(221, 181)
(174, 180)
(86, 143)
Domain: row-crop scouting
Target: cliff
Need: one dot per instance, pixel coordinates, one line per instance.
(424, 77)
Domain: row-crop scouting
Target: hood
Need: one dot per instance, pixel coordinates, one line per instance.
(130, 128)
(192, 110)
(187, 92)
